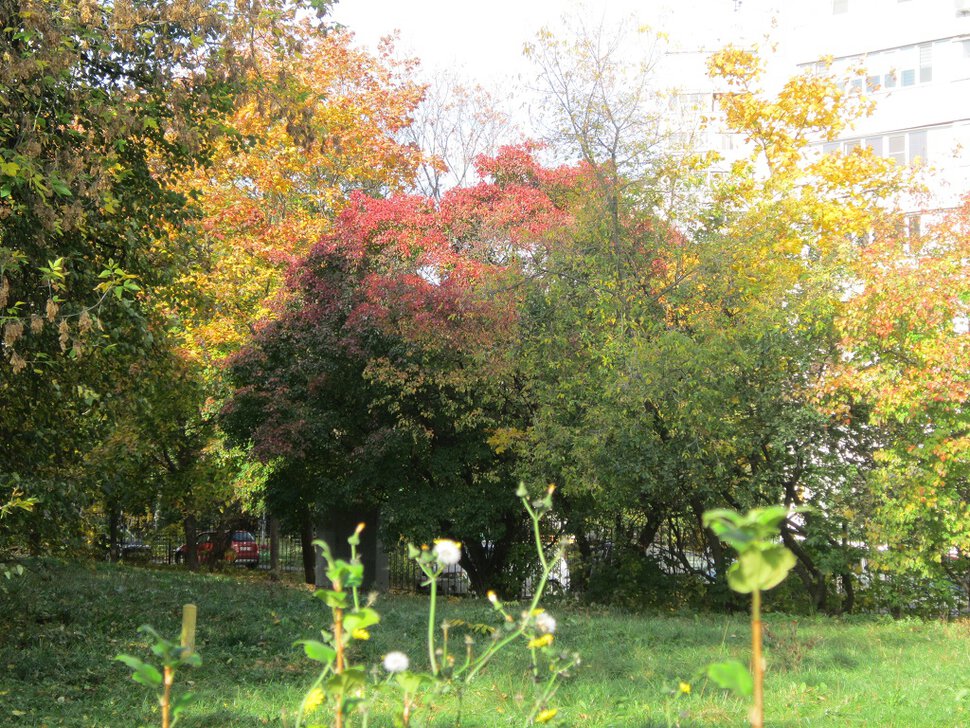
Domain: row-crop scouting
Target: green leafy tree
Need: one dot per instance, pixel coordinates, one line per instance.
(678, 366)
(106, 107)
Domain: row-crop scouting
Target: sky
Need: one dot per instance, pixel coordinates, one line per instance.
(483, 41)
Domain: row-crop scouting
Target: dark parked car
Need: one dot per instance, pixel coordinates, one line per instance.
(133, 548)
(243, 548)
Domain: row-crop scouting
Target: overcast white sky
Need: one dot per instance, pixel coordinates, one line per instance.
(484, 39)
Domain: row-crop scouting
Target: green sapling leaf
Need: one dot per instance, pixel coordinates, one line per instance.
(731, 675)
(361, 619)
(318, 651)
(333, 599)
(143, 672)
(181, 703)
(762, 568)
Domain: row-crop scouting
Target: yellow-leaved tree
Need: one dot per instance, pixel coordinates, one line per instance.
(318, 119)
(315, 126)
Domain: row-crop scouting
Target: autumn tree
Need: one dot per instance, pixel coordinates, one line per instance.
(316, 124)
(107, 107)
(316, 119)
(104, 106)
(907, 354)
(677, 358)
(382, 380)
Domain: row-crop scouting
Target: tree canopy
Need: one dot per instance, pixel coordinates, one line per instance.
(216, 294)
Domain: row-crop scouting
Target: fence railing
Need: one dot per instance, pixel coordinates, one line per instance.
(169, 550)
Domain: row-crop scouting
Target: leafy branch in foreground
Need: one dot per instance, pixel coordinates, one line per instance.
(762, 564)
(172, 655)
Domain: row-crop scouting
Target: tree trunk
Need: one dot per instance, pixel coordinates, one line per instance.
(218, 555)
(191, 534)
(274, 544)
(579, 573)
(306, 544)
(114, 523)
(719, 593)
(648, 534)
(486, 566)
(849, 602)
(339, 524)
(486, 560)
(811, 575)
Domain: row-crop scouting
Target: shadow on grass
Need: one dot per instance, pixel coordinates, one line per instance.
(227, 719)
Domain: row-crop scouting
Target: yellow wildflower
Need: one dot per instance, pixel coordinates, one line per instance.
(546, 715)
(543, 641)
(314, 699)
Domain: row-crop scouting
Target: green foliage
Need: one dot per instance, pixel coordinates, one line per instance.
(99, 119)
(631, 580)
(171, 656)
(762, 564)
(351, 697)
(15, 502)
(731, 675)
(108, 106)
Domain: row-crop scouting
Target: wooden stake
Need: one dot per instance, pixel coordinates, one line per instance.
(189, 613)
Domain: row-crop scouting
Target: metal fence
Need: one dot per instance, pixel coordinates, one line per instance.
(164, 549)
(405, 576)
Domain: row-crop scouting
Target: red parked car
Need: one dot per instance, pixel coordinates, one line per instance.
(243, 548)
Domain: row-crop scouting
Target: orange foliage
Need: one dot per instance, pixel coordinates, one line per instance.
(315, 126)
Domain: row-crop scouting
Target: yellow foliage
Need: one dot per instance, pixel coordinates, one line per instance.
(315, 125)
(798, 210)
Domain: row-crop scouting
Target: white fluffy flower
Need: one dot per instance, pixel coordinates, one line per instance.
(545, 623)
(447, 552)
(396, 662)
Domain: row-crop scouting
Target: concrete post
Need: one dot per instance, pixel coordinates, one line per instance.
(335, 527)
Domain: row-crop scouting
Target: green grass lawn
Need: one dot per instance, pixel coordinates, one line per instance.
(63, 622)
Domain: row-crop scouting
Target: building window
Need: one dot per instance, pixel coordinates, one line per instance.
(914, 226)
(917, 146)
(912, 147)
(875, 144)
(926, 63)
(872, 84)
(905, 66)
(897, 148)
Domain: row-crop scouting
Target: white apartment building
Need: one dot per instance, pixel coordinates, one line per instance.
(916, 60)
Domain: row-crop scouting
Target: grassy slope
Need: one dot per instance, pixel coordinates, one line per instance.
(61, 624)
